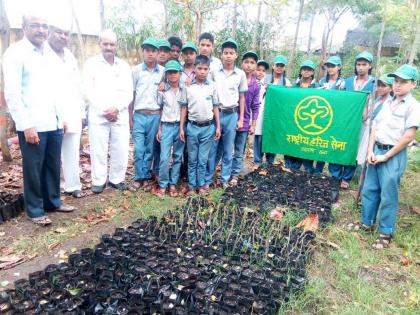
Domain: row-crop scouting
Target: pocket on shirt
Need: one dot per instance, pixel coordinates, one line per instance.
(397, 121)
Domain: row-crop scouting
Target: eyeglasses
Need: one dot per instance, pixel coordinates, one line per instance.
(279, 65)
(37, 26)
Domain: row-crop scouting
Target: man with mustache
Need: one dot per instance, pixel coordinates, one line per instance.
(72, 105)
(31, 94)
(108, 86)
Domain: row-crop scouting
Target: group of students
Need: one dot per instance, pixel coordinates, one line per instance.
(235, 113)
(188, 107)
(216, 106)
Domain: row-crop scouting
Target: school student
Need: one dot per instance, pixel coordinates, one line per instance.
(189, 53)
(231, 86)
(206, 46)
(203, 127)
(278, 73)
(383, 92)
(362, 81)
(168, 133)
(306, 79)
(393, 129)
(145, 113)
(176, 46)
(164, 52)
(260, 73)
(252, 104)
(332, 81)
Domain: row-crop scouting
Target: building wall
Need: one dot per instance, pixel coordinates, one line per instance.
(90, 43)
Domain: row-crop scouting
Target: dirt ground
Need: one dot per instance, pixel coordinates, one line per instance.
(94, 216)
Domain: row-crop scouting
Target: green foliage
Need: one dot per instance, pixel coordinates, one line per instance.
(127, 26)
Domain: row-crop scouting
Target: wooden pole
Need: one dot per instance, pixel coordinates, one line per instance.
(5, 41)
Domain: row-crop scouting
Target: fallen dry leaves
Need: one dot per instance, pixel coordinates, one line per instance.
(310, 223)
(9, 260)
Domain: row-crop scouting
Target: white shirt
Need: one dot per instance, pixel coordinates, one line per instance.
(106, 86)
(146, 85)
(395, 118)
(215, 63)
(229, 86)
(70, 87)
(201, 100)
(260, 119)
(170, 103)
(30, 86)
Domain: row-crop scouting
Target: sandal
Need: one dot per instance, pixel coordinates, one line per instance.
(234, 181)
(382, 242)
(136, 185)
(344, 185)
(160, 192)
(147, 185)
(172, 191)
(190, 192)
(42, 221)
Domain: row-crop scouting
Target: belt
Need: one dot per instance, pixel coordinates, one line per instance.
(170, 122)
(148, 111)
(229, 110)
(384, 146)
(202, 123)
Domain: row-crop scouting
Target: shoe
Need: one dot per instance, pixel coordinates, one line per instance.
(65, 208)
(119, 186)
(42, 221)
(77, 194)
(74, 193)
(98, 189)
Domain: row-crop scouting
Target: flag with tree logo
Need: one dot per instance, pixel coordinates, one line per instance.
(315, 124)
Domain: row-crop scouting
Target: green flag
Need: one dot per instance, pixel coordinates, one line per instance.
(314, 124)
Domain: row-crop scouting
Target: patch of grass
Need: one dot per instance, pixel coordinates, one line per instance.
(353, 278)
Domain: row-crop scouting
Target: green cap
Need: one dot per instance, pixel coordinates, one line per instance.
(308, 64)
(334, 60)
(230, 42)
(150, 42)
(386, 79)
(365, 55)
(164, 43)
(250, 54)
(406, 72)
(280, 59)
(190, 45)
(173, 65)
(263, 63)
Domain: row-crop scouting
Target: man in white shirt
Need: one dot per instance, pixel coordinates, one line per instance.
(32, 98)
(108, 87)
(72, 103)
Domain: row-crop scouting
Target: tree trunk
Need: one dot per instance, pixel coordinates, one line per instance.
(324, 43)
(235, 19)
(381, 37)
(5, 41)
(257, 27)
(79, 33)
(102, 13)
(293, 52)
(416, 41)
(330, 43)
(311, 25)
